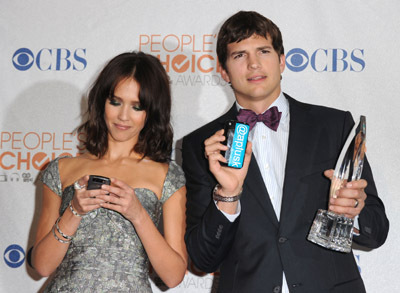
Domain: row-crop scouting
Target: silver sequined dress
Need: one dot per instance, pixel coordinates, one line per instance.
(106, 255)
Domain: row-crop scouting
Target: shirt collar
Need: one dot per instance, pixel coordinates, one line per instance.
(281, 102)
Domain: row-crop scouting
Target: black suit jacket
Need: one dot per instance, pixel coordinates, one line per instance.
(252, 252)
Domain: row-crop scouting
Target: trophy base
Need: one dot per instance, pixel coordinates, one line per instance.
(332, 231)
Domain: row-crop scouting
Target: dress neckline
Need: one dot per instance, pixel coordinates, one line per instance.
(136, 188)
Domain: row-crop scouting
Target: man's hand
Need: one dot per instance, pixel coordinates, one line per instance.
(350, 198)
(230, 179)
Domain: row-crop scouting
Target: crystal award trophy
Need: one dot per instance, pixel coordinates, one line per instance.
(329, 229)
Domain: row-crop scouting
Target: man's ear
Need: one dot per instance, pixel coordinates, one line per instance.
(224, 74)
(282, 62)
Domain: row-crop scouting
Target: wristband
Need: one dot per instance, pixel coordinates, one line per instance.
(218, 197)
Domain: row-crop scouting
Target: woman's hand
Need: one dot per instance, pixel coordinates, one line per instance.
(85, 200)
(122, 199)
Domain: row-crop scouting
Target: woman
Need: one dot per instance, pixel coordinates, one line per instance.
(102, 240)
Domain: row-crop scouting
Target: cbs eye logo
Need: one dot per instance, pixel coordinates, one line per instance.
(297, 60)
(14, 256)
(23, 59)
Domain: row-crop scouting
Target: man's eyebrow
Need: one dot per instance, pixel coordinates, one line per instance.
(244, 51)
(264, 47)
(237, 52)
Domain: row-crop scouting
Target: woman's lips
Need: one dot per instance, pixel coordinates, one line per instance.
(122, 127)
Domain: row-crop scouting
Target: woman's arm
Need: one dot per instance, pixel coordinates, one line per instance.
(168, 255)
(48, 252)
(49, 249)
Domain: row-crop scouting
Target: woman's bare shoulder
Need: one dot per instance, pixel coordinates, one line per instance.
(72, 162)
(70, 168)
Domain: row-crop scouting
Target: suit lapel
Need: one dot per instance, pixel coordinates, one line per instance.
(254, 184)
(298, 156)
(230, 115)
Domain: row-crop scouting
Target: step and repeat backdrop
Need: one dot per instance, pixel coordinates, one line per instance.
(341, 54)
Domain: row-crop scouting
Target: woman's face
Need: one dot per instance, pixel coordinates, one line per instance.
(123, 114)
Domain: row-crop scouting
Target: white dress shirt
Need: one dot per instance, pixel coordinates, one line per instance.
(270, 151)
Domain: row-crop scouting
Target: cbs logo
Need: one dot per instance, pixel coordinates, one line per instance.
(326, 60)
(57, 59)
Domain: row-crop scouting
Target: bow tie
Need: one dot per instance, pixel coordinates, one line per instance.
(270, 118)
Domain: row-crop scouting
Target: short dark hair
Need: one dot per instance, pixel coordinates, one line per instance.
(155, 139)
(243, 25)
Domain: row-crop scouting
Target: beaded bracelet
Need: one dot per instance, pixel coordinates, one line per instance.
(73, 211)
(61, 232)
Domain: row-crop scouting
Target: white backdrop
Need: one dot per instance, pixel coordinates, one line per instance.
(339, 53)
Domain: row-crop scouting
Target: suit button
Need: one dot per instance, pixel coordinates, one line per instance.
(277, 289)
(282, 240)
(219, 231)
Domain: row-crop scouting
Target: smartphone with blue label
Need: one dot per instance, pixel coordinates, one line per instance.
(236, 134)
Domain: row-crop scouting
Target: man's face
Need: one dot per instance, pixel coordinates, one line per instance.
(254, 69)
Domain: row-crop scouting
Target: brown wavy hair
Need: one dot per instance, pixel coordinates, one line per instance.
(243, 25)
(155, 139)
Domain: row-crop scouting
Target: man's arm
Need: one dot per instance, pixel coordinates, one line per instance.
(209, 234)
(374, 225)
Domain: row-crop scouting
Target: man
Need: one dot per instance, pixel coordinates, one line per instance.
(259, 241)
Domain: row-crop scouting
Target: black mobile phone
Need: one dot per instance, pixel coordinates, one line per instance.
(236, 134)
(95, 182)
